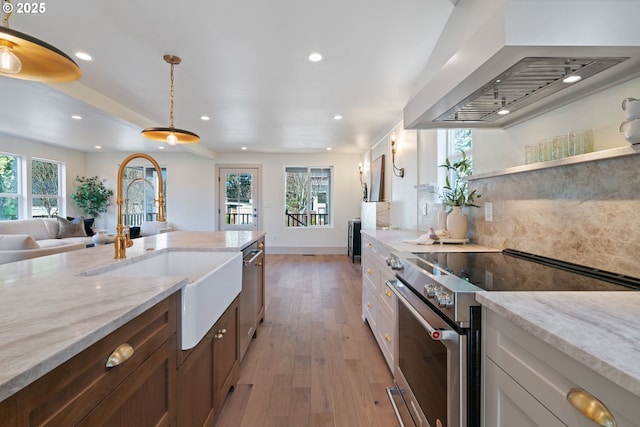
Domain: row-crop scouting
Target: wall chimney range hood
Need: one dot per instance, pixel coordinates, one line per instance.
(504, 64)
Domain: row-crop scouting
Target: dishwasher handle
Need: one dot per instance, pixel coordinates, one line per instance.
(255, 254)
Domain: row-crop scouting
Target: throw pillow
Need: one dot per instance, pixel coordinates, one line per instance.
(88, 225)
(15, 242)
(73, 228)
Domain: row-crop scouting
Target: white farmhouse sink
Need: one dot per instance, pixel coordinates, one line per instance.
(215, 279)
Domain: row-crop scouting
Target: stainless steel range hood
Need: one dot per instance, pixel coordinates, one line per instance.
(501, 62)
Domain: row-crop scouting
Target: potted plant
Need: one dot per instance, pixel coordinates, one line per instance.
(91, 196)
(455, 194)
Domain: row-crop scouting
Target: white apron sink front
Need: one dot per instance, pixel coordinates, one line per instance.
(215, 280)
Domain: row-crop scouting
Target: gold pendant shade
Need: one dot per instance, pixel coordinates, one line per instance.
(171, 134)
(38, 60)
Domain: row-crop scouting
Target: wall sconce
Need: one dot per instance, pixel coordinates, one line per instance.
(365, 195)
(396, 171)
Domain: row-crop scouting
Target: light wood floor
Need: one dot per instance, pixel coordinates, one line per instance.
(314, 362)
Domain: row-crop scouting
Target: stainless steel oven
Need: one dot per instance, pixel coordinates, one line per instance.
(433, 365)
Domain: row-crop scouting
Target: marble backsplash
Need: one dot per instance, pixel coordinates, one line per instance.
(587, 213)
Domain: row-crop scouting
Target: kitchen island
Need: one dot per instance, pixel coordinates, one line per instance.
(50, 312)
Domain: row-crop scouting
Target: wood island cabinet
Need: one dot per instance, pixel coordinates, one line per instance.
(138, 392)
(209, 371)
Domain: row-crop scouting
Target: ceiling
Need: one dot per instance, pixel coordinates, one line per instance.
(244, 64)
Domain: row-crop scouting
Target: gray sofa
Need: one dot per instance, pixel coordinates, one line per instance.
(31, 238)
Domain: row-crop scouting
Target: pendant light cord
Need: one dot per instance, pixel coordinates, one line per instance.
(5, 19)
(171, 101)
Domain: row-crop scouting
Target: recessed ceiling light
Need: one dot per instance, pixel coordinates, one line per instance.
(161, 147)
(329, 148)
(243, 148)
(97, 147)
(572, 79)
(315, 57)
(76, 117)
(337, 117)
(205, 118)
(503, 112)
(84, 56)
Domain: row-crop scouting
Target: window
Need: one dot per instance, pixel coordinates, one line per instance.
(140, 194)
(46, 188)
(9, 187)
(451, 144)
(308, 196)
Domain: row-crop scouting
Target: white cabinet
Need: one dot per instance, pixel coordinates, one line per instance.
(526, 382)
(378, 302)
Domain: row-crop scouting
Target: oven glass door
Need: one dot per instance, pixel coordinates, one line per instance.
(428, 368)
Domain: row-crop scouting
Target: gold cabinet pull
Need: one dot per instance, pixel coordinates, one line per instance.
(387, 337)
(119, 355)
(369, 304)
(369, 270)
(389, 293)
(591, 407)
(369, 245)
(220, 333)
(261, 245)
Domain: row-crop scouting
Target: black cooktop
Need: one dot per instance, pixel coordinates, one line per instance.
(512, 270)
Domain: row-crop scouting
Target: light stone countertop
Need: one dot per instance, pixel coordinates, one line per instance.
(49, 312)
(394, 240)
(598, 329)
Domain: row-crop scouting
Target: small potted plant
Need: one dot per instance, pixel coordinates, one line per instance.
(456, 194)
(91, 196)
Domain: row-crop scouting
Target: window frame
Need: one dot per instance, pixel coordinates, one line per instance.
(19, 195)
(327, 219)
(59, 197)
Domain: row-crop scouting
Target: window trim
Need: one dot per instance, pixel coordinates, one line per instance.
(329, 213)
(20, 185)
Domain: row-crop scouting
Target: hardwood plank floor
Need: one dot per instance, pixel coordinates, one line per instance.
(314, 361)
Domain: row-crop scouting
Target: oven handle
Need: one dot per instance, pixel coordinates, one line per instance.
(435, 333)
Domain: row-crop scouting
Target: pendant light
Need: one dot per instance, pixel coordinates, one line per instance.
(25, 57)
(171, 135)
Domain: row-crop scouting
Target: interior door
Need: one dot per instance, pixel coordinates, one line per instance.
(238, 204)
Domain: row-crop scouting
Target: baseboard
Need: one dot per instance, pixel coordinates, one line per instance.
(300, 250)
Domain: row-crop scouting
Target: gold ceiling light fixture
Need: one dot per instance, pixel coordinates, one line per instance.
(28, 58)
(170, 134)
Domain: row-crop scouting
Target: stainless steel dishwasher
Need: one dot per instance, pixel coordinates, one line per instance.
(252, 264)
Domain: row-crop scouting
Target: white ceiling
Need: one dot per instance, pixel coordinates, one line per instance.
(244, 64)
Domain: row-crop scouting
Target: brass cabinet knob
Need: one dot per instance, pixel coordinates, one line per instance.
(591, 407)
(387, 337)
(369, 245)
(119, 355)
(369, 304)
(369, 270)
(261, 245)
(389, 293)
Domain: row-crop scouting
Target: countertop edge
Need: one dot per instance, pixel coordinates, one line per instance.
(504, 304)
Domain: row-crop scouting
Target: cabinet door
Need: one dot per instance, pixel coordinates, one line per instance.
(145, 399)
(507, 404)
(226, 355)
(195, 385)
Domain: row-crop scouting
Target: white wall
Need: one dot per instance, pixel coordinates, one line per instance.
(347, 196)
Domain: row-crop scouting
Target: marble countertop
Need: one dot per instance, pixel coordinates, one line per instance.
(394, 239)
(598, 329)
(49, 311)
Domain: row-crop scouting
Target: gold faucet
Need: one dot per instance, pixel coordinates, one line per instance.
(123, 240)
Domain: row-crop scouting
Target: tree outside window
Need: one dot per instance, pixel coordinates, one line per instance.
(46, 196)
(9, 187)
(308, 196)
